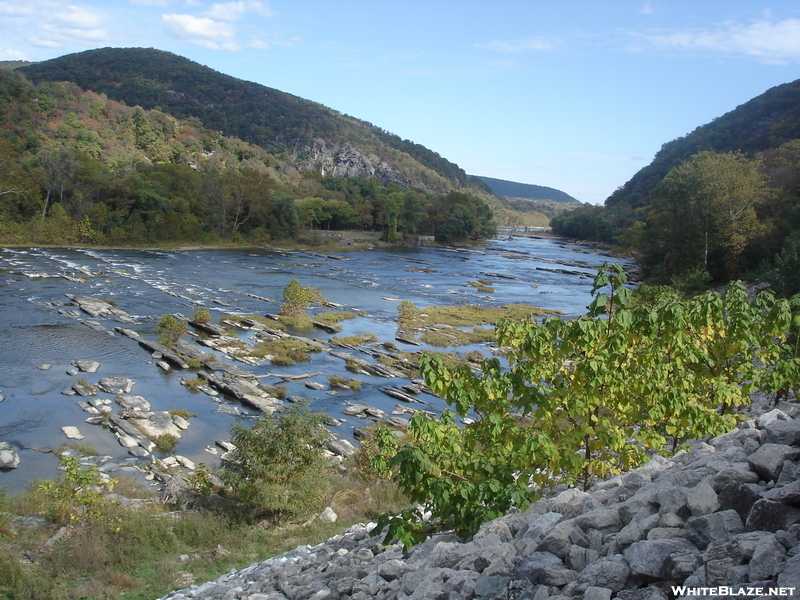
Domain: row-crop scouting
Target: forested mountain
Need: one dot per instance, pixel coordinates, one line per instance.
(512, 189)
(77, 167)
(719, 203)
(301, 133)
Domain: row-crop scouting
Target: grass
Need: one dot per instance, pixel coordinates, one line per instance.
(182, 412)
(165, 443)
(282, 352)
(114, 550)
(444, 326)
(354, 340)
(334, 317)
(344, 383)
(85, 449)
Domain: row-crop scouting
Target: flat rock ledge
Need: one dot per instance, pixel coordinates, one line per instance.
(722, 520)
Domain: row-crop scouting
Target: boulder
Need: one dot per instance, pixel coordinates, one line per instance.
(72, 433)
(766, 561)
(9, 457)
(716, 527)
(157, 424)
(768, 460)
(134, 403)
(739, 497)
(116, 385)
(646, 558)
(769, 515)
(783, 432)
(86, 366)
(702, 500)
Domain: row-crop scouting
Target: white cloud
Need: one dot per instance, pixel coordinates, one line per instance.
(58, 26)
(11, 55)
(647, 8)
(233, 11)
(776, 42)
(534, 43)
(202, 31)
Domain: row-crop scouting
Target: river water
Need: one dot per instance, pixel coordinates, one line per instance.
(37, 327)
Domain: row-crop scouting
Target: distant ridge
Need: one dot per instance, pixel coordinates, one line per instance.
(512, 189)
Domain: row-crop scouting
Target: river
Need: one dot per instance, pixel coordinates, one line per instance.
(38, 327)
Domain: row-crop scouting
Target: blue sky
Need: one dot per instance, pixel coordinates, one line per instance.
(572, 94)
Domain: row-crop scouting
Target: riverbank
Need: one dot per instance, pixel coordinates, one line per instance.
(720, 519)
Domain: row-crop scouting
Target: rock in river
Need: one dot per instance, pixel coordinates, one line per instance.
(9, 458)
(72, 433)
(116, 385)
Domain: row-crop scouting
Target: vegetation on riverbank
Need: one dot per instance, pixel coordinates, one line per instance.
(70, 539)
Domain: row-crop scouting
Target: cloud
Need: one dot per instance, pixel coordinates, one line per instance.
(202, 31)
(11, 55)
(233, 11)
(58, 26)
(647, 8)
(776, 42)
(532, 43)
(216, 28)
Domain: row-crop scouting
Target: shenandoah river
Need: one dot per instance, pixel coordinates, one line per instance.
(40, 328)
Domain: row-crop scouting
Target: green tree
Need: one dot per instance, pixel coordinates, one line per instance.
(586, 399)
(297, 298)
(275, 469)
(704, 214)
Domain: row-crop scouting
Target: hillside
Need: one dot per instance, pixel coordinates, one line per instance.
(721, 203)
(512, 189)
(767, 121)
(304, 134)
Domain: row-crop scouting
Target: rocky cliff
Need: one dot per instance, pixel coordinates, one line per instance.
(722, 519)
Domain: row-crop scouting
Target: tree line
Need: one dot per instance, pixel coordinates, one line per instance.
(76, 167)
(717, 216)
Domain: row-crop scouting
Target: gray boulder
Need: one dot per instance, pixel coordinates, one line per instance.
(716, 527)
(647, 557)
(9, 457)
(766, 561)
(768, 460)
(610, 572)
(783, 432)
(769, 515)
(116, 385)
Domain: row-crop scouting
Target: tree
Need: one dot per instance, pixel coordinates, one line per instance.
(16, 188)
(56, 168)
(297, 298)
(585, 399)
(275, 467)
(704, 213)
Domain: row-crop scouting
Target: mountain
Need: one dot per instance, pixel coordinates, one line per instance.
(304, 134)
(767, 121)
(512, 189)
(720, 203)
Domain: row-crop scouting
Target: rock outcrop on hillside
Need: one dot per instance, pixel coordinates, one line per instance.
(722, 519)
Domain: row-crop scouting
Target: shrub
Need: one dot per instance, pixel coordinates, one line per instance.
(200, 314)
(170, 330)
(274, 470)
(297, 298)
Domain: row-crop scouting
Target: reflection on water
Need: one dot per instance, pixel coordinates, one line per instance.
(40, 327)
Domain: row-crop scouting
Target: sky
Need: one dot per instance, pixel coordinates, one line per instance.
(577, 95)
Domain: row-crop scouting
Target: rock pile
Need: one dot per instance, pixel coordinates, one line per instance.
(722, 519)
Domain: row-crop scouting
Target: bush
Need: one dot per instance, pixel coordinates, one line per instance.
(297, 298)
(274, 472)
(170, 330)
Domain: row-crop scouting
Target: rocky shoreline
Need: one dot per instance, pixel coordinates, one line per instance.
(721, 519)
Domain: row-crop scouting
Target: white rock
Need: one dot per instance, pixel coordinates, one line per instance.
(328, 516)
(185, 462)
(72, 433)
